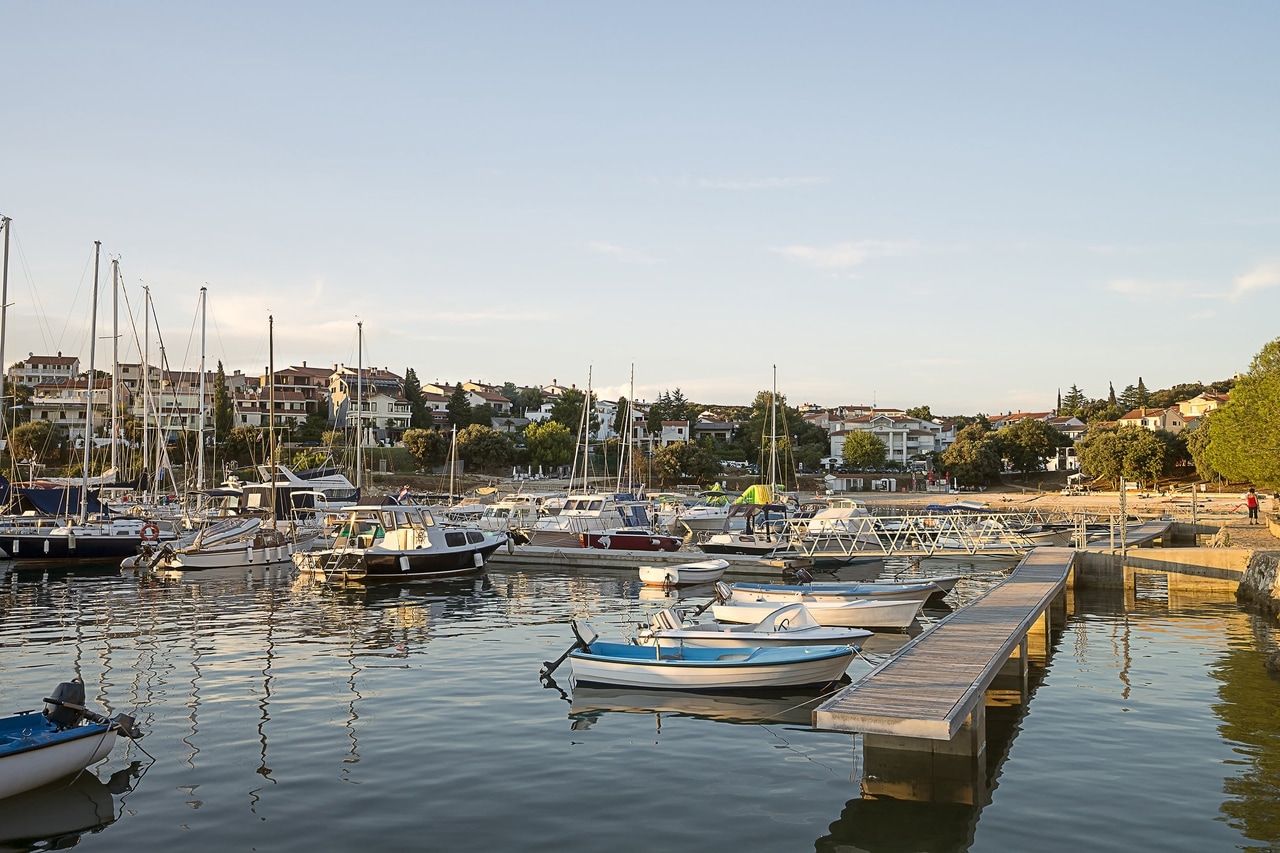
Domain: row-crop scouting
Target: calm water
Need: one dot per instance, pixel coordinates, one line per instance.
(285, 716)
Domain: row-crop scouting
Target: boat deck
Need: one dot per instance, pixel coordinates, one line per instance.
(931, 686)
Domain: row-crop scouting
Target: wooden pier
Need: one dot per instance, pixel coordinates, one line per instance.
(930, 694)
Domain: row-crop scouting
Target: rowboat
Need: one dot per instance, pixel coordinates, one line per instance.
(790, 625)
(734, 668)
(37, 748)
(704, 571)
(859, 613)
(809, 593)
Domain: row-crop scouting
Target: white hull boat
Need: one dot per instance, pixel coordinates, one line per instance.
(704, 571)
(733, 669)
(866, 613)
(832, 594)
(790, 625)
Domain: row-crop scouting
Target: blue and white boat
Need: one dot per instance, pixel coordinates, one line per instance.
(878, 590)
(733, 668)
(37, 748)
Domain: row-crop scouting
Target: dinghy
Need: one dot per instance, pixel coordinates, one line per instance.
(37, 748)
(859, 613)
(790, 625)
(734, 668)
(704, 571)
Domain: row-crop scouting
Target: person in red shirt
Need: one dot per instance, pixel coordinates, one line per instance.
(1251, 501)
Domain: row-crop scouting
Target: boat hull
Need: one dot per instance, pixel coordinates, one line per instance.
(630, 541)
(707, 571)
(884, 615)
(726, 675)
(391, 566)
(61, 547)
(719, 639)
(816, 595)
(33, 768)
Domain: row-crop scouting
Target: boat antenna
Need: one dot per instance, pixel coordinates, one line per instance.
(88, 408)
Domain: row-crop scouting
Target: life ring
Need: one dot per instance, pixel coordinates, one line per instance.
(150, 532)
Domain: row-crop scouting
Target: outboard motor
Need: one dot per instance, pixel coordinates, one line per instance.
(66, 707)
(799, 575)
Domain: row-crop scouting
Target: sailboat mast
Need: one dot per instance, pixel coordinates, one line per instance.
(773, 431)
(6, 223)
(271, 406)
(115, 364)
(453, 459)
(146, 377)
(88, 407)
(586, 435)
(359, 396)
(204, 299)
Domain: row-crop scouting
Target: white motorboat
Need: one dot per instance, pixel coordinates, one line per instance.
(230, 543)
(829, 593)
(790, 625)
(695, 668)
(39, 748)
(704, 571)
(859, 613)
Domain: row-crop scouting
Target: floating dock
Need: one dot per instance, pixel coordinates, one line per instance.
(932, 689)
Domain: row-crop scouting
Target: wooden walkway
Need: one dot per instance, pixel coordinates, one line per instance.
(931, 686)
(1139, 535)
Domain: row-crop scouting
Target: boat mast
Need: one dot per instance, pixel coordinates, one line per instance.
(115, 365)
(6, 223)
(453, 460)
(359, 395)
(773, 432)
(88, 408)
(586, 435)
(146, 378)
(271, 407)
(204, 299)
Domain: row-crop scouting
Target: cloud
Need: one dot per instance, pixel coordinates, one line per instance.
(846, 255)
(621, 253)
(1259, 278)
(750, 184)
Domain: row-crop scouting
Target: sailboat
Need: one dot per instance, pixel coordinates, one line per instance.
(242, 541)
(87, 537)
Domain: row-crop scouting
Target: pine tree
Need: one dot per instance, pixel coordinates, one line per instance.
(1073, 403)
(224, 410)
(419, 417)
(620, 419)
(1111, 394)
(1141, 395)
(459, 408)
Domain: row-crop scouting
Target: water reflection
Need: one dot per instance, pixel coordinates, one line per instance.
(57, 815)
(589, 705)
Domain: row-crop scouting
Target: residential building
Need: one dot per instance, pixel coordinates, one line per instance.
(674, 432)
(721, 431)
(63, 404)
(1002, 421)
(1201, 404)
(44, 370)
(1070, 426)
(1169, 420)
(904, 438)
(383, 411)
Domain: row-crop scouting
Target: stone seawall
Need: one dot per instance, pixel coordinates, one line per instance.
(1261, 582)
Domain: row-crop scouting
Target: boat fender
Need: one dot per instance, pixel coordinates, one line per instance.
(66, 707)
(150, 532)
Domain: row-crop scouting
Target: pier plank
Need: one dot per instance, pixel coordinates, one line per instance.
(932, 684)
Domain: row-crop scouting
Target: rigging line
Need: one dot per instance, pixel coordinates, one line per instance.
(71, 309)
(42, 318)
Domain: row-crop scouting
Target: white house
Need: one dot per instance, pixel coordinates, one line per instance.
(44, 369)
(903, 437)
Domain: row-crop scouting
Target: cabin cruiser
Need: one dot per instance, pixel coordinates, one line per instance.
(337, 491)
(587, 513)
(394, 542)
(94, 538)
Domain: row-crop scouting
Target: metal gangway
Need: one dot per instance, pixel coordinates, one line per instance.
(919, 534)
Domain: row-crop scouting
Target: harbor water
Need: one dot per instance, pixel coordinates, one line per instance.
(287, 715)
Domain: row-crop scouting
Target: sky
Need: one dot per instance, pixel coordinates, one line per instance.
(968, 206)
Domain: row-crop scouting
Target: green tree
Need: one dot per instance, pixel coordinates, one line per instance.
(1028, 443)
(549, 443)
(1244, 434)
(484, 447)
(567, 410)
(1141, 396)
(459, 408)
(974, 458)
(419, 416)
(530, 400)
(32, 441)
(427, 446)
(1111, 394)
(684, 461)
(1073, 402)
(920, 412)
(313, 428)
(512, 393)
(1129, 398)
(1197, 439)
(863, 449)
(224, 409)
(245, 444)
(1124, 453)
(483, 414)
(620, 418)
(333, 438)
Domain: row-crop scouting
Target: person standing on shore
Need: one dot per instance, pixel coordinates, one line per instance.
(1251, 501)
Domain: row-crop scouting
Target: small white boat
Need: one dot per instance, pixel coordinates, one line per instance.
(691, 668)
(39, 748)
(703, 571)
(790, 625)
(932, 587)
(859, 613)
